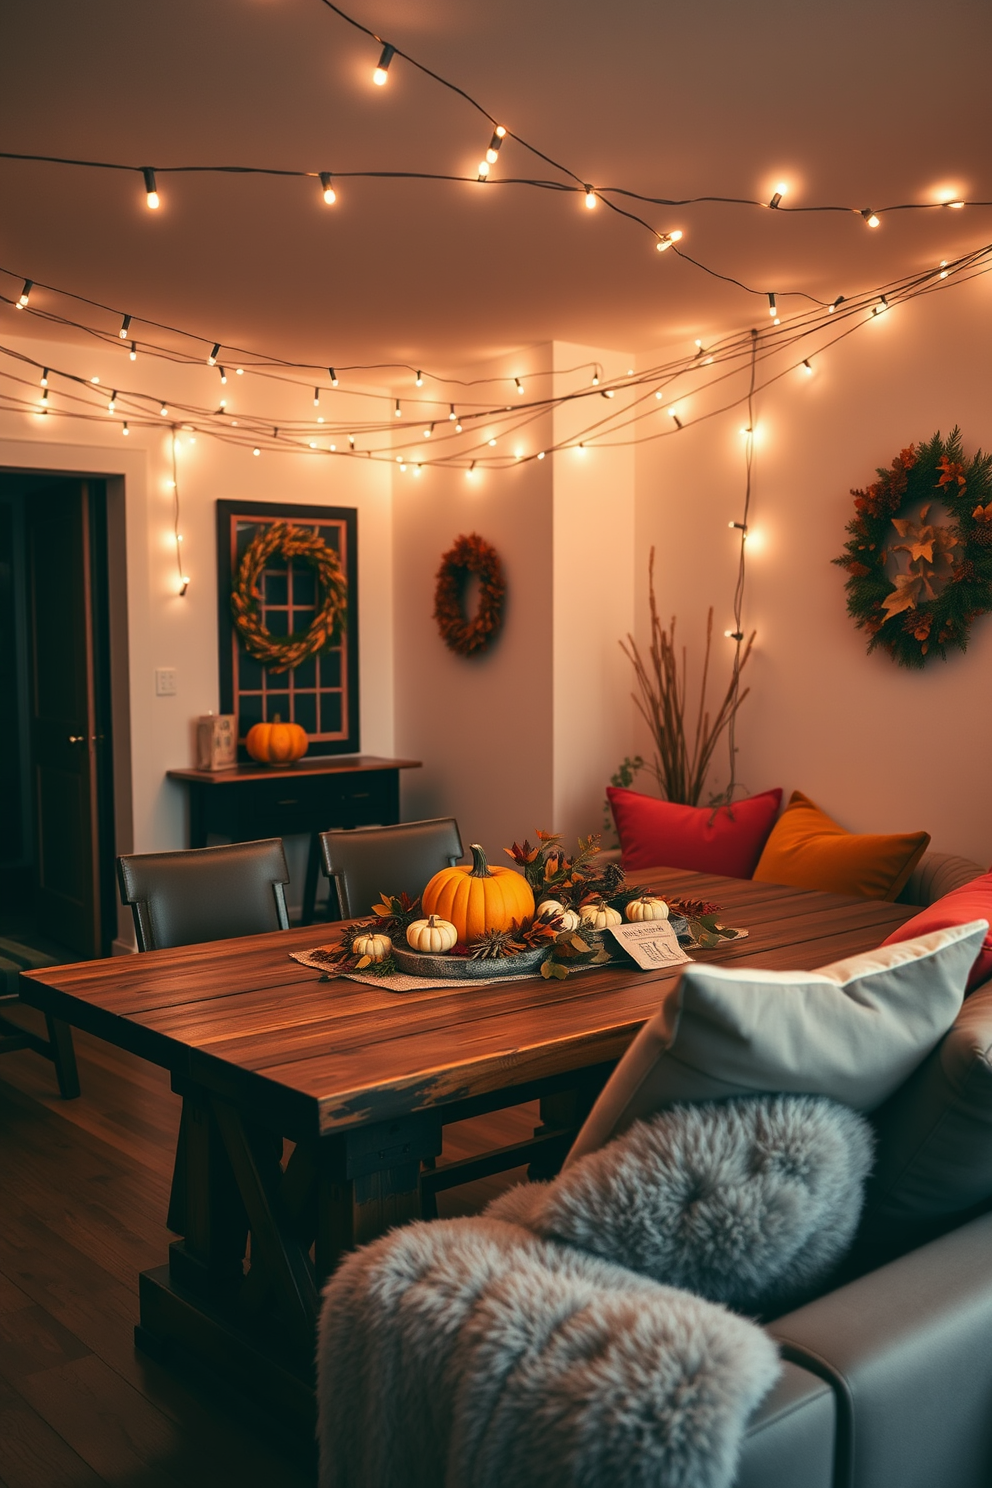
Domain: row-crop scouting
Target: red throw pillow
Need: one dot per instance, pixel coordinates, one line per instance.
(661, 834)
(972, 901)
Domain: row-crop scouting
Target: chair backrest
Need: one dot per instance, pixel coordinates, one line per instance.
(367, 862)
(205, 893)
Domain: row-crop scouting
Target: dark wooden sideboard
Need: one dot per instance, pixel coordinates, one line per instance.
(252, 801)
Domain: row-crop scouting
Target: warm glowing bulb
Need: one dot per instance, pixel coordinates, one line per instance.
(333, 376)
(483, 169)
(943, 268)
(44, 378)
(956, 204)
(492, 443)
(125, 327)
(113, 403)
(133, 353)
(429, 431)
(419, 379)
(214, 354)
(398, 412)
(316, 397)
(164, 411)
(25, 294)
(151, 193)
(869, 216)
(808, 366)
(491, 156)
(94, 379)
(256, 450)
(313, 444)
(382, 71)
(458, 427)
(595, 379)
(239, 371)
(470, 471)
(771, 305)
(452, 415)
(330, 195)
(590, 198)
(519, 385)
(125, 429)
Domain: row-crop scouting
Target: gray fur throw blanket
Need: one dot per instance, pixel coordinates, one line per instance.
(471, 1354)
(751, 1202)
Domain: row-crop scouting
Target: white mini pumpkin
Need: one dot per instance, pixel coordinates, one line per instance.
(567, 918)
(374, 945)
(432, 936)
(599, 916)
(648, 907)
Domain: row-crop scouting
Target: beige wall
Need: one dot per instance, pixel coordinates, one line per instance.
(879, 747)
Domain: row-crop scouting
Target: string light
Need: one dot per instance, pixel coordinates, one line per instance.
(483, 169)
(675, 418)
(398, 412)
(215, 353)
(333, 376)
(25, 294)
(494, 144)
(330, 195)
(870, 217)
(256, 450)
(44, 398)
(836, 304)
(94, 379)
(771, 305)
(223, 376)
(44, 378)
(351, 440)
(956, 204)
(381, 73)
(778, 193)
(164, 411)
(590, 197)
(125, 431)
(595, 379)
(808, 366)
(666, 240)
(470, 471)
(316, 397)
(429, 431)
(943, 268)
(518, 385)
(113, 402)
(420, 379)
(492, 444)
(239, 371)
(151, 190)
(458, 427)
(540, 454)
(133, 353)
(452, 415)
(881, 307)
(607, 393)
(125, 327)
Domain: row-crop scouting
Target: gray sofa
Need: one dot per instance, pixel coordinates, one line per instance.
(888, 1378)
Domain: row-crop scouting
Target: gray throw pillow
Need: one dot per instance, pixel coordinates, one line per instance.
(751, 1202)
(852, 1031)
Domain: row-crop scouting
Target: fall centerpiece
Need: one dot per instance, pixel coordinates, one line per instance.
(551, 913)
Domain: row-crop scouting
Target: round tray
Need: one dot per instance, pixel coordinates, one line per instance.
(461, 968)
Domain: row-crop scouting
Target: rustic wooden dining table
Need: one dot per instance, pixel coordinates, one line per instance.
(313, 1109)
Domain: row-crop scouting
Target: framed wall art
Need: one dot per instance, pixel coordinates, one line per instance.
(288, 619)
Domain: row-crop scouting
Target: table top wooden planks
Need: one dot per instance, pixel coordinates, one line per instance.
(243, 1019)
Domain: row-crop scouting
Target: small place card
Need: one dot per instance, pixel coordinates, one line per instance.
(652, 943)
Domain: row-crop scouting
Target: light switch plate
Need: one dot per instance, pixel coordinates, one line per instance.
(165, 681)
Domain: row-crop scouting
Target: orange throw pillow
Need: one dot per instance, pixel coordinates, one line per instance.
(808, 850)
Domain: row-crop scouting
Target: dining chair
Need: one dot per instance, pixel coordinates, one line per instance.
(58, 1047)
(367, 862)
(205, 893)
(199, 894)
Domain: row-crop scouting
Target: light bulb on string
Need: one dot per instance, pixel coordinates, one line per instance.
(452, 415)
(870, 217)
(239, 371)
(771, 305)
(25, 294)
(215, 353)
(125, 327)
(943, 268)
(607, 393)
(778, 193)
(808, 366)
(881, 307)
(957, 205)
(113, 402)
(494, 144)
(458, 427)
(540, 454)
(223, 376)
(256, 450)
(329, 194)
(666, 240)
(381, 73)
(351, 440)
(836, 304)
(492, 444)
(675, 418)
(44, 398)
(151, 190)
(164, 411)
(397, 411)
(125, 431)
(316, 397)
(94, 379)
(428, 431)
(483, 169)
(470, 471)
(417, 468)
(419, 379)
(333, 376)
(133, 353)
(590, 197)
(518, 385)
(595, 378)
(44, 377)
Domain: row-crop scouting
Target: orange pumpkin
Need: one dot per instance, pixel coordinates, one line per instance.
(479, 898)
(277, 743)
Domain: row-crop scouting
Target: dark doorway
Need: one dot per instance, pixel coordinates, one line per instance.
(56, 773)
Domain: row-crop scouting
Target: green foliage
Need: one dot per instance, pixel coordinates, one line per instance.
(934, 471)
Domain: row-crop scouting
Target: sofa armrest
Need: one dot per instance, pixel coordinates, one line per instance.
(789, 1442)
(908, 1351)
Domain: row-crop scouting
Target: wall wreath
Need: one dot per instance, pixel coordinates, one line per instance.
(919, 551)
(470, 555)
(281, 653)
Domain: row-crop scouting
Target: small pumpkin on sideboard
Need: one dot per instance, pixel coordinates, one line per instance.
(277, 743)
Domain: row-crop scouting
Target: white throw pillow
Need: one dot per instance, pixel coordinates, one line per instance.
(853, 1031)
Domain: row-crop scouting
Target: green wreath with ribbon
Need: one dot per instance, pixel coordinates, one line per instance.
(919, 551)
(281, 653)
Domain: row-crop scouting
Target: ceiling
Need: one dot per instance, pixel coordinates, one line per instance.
(858, 102)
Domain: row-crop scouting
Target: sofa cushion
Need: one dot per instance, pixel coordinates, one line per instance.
(808, 850)
(972, 901)
(750, 1202)
(724, 839)
(934, 1160)
(853, 1031)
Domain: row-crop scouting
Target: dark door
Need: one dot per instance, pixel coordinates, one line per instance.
(66, 740)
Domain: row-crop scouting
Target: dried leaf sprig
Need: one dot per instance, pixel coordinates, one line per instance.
(551, 873)
(342, 955)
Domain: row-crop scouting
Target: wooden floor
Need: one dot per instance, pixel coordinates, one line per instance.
(83, 1193)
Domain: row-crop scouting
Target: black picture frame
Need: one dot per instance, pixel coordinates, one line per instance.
(249, 690)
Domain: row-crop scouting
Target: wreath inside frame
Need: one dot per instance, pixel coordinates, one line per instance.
(917, 605)
(281, 653)
(470, 555)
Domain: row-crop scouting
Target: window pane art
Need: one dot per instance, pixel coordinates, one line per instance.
(322, 693)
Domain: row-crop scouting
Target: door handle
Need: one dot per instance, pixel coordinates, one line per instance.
(77, 738)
